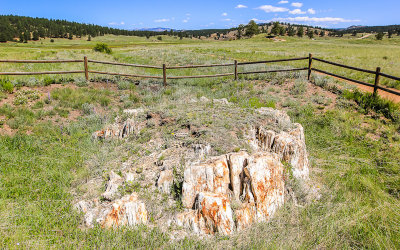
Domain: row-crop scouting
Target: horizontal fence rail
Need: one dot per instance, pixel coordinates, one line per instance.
(274, 61)
(42, 73)
(272, 71)
(120, 74)
(200, 66)
(235, 72)
(40, 61)
(126, 64)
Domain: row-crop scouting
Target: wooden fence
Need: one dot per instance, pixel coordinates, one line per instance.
(235, 72)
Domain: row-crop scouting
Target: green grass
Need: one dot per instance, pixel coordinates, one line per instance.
(355, 154)
(367, 54)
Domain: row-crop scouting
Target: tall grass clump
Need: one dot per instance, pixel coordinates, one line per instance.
(6, 86)
(368, 101)
(102, 47)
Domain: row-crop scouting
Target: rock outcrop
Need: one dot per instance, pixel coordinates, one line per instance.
(256, 182)
(212, 176)
(127, 211)
(114, 181)
(117, 130)
(120, 129)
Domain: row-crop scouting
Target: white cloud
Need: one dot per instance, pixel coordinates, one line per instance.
(297, 5)
(260, 21)
(115, 23)
(270, 8)
(297, 12)
(227, 20)
(283, 2)
(241, 6)
(185, 21)
(311, 11)
(225, 14)
(162, 20)
(316, 19)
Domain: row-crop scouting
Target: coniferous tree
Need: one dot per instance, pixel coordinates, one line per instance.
(300, 31)
(310, 34)
(252, 29)
(291, 31)
(35, 36)
(379, 36)
(276, 28)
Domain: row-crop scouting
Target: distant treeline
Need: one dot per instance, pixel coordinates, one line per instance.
(29, 28)
(374, 29)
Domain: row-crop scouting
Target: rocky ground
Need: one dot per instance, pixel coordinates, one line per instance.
(202, 167)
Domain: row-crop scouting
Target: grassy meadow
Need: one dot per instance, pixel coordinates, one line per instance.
(47, 151)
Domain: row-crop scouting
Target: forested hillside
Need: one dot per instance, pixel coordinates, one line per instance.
(29, 28)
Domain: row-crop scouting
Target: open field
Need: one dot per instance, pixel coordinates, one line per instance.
(48, 155)
(367, 53)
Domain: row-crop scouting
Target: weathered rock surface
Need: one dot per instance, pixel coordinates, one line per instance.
(290, 146)
(165, 181)
(117, 130)
(112, 185)
(222, 101)
(257, 180)
(120, 129)
(213, 214)
(212, 176)
(127, 211)
(266, 175)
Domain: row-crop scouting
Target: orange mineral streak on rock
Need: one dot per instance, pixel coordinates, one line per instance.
(245, 216)
(127, 211)
(214, 214)
(265, 174)
(212, 176)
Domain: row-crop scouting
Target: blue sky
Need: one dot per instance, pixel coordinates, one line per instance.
(202, 14)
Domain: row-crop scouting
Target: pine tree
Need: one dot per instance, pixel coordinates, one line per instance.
(310, 34)
(276, 29)
(300, 31)
(27, 36)
(379, 36)
(70, 36)
(89, 38)
(240, 31)
(21, 37)
(252, 29)
(35, 36)
(291, 31)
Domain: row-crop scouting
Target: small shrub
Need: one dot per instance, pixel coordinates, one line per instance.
(298, 88)
(367, 101)
(88, 109)
(52, 40)
(6, 86)
(26, 95)
(103, 48)
(159, 38)
(81, 82)
(48, 81)
(124, 85)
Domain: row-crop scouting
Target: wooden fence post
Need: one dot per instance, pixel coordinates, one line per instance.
(165, 74)
(85, 62)
(236, 70)
(377, 78)
(309, 66)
